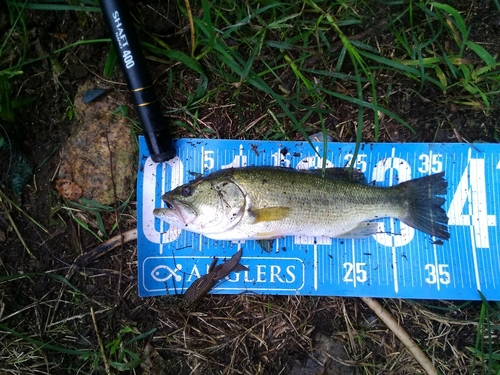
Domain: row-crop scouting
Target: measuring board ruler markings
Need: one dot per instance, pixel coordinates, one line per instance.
(407, 264)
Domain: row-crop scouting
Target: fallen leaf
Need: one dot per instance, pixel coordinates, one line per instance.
(68, 189)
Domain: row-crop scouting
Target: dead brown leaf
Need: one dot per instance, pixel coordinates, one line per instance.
(68, 189)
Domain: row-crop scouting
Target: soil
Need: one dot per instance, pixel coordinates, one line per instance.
(106, 290)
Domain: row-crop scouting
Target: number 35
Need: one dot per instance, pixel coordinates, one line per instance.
(437, 271)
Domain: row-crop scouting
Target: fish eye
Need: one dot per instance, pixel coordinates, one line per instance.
(186, 191)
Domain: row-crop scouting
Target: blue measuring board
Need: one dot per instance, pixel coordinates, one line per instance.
(409, 264)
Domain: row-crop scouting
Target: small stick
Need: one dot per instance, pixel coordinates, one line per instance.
(103, 354)
(116, 216)
(104, 248)
(95, 253)
(402, 335)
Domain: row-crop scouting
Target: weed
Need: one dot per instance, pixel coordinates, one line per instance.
(486, 351)
(118, 353)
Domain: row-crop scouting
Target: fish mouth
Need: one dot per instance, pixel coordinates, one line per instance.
(170, 206)
(179, 215)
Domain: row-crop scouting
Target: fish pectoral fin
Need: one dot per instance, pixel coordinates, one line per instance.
(263, 215)
(362, 230)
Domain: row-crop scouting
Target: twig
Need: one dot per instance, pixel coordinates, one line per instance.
(105, 248)
(95, 253)
(402, 335)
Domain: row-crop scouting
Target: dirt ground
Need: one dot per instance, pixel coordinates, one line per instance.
(223, 334)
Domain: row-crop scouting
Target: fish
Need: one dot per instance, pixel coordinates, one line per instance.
(259, 203)
(204, 284)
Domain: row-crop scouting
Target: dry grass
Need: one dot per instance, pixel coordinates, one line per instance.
(243, 334)
(46, 327)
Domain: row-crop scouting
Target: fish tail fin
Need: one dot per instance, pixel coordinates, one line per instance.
(424, 205)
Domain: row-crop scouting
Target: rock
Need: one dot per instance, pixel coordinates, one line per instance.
(102, 149)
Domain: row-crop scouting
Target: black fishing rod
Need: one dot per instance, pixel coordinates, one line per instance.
(133, 64)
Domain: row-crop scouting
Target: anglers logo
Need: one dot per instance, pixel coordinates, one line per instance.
(176, 274)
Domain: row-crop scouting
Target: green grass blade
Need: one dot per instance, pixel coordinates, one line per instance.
(63, 280)
(140, 337)
(459, 21)
(44, 345)
(111, 61)
(56, 7)
(69, 46)
(6, 107)
(176, 56)
(483, 54)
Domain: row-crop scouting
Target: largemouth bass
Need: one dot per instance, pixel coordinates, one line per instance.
(271, 202)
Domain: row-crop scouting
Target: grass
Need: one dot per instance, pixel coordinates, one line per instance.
(22, 354)
(234, 50)
(277, 70)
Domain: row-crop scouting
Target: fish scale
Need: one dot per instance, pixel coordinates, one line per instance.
(311, 205)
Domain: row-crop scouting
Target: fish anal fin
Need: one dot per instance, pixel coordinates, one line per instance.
(266, 236)
(263, 215)
(266, 245)
(362, 230)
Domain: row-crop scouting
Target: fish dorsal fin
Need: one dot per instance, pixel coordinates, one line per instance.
(342, 174)
(263, 215)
